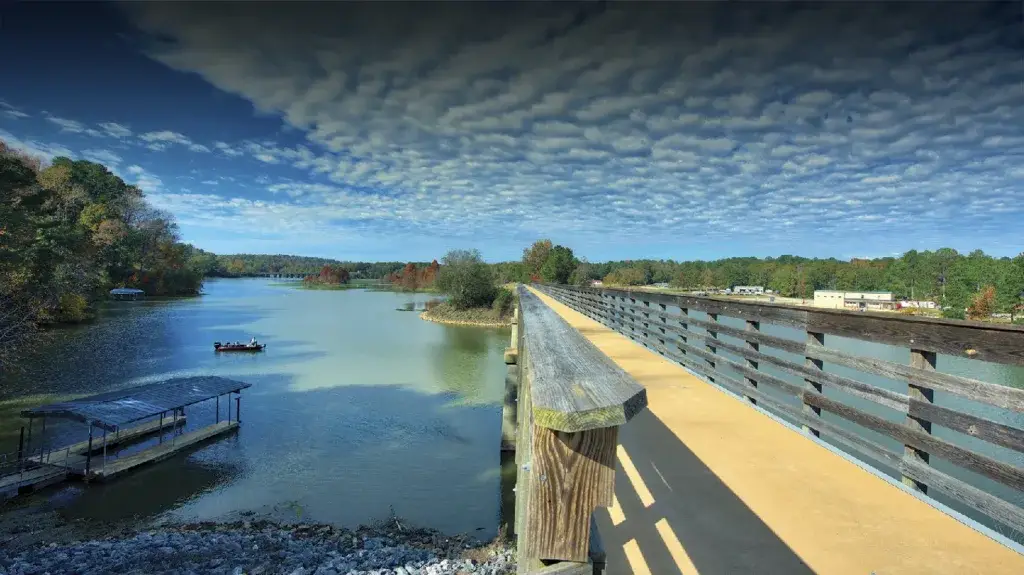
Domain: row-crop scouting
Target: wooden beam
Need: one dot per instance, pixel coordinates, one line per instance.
(574, 385)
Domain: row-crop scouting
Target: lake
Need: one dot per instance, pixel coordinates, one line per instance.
(358, 409)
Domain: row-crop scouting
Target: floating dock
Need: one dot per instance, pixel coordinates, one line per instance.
(123, 417)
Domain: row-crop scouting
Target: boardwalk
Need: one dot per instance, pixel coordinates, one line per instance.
(707, 484)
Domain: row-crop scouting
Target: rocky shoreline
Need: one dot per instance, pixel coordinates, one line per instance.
(265, 547)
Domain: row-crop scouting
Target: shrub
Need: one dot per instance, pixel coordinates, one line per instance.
(466, 279)
(504, 301)
(72, 308)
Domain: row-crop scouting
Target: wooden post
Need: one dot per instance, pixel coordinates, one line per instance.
(684, 312)
(922, 360)
(229, 407)
(753, 326)
(21, 444)
(571, 474)
(813, 338)
(28, 441)
(238, 408)
(88, 455)
(569, 415)
(509, 406)
(661, 326)
(709, 343)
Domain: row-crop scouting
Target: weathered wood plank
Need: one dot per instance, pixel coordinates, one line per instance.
(574, 385)
(972, 425)
(1002, 472)
(571, 475)
(1002, 511)
(511, 355)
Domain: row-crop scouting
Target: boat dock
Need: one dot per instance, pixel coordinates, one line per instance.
(122, 418)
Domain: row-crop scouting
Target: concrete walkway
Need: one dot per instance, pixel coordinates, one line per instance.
(709, 485)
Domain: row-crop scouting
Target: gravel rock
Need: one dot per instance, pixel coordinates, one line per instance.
(260, 547)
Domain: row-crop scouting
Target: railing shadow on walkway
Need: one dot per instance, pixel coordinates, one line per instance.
(657, 529)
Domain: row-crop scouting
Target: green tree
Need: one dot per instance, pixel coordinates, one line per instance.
(581, 276)
(466, 279)
(559, 265)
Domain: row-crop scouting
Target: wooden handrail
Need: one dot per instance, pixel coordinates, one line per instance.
(662, 322)
(569, 400)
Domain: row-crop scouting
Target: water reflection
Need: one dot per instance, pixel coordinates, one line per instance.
(466, 354)
(355, 407)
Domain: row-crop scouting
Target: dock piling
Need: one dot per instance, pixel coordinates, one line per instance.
(238, 408)
(88, 455)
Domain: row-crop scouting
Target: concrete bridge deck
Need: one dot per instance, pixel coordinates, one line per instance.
(707, 484)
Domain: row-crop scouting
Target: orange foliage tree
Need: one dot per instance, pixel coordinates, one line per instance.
(983, 305)
(412, 278)
(329, 274)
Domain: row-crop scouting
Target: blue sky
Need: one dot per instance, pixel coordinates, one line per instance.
(389, 131)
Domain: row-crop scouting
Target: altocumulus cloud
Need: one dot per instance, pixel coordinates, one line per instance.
(677, 129)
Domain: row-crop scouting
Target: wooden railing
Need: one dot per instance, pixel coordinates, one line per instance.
(804, 391)
(565, 401)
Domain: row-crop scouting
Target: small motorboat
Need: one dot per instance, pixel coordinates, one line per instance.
(218, 346)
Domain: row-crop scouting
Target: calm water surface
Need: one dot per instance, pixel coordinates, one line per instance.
(357, 409)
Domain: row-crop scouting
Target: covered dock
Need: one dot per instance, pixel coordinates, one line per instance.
(118, 418)
(126, 293)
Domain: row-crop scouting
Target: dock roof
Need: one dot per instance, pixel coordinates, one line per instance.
(114, 409)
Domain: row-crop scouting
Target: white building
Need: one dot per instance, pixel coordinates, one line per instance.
(922, 304)
(748, 290)
(860, 300)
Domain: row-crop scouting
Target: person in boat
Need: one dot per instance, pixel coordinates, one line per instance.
(252, 342)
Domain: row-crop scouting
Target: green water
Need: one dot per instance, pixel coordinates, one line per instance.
(356, 409)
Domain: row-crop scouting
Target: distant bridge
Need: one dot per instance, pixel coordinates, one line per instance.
(784, 446)
(298, 275)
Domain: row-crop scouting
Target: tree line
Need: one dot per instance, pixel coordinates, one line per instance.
(251, 265)
(69, 232)
(974, 283)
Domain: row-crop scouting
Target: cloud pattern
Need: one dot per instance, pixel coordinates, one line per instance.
(674, 130)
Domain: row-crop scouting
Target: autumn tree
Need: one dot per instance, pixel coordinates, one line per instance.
(983, 304)
(535, 256)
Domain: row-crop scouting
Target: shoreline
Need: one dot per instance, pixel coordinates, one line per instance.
(463, 322)
(259, 545)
